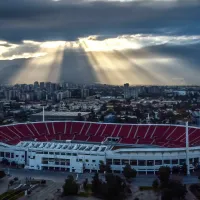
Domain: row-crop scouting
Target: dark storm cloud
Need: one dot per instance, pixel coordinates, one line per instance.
(64, 20)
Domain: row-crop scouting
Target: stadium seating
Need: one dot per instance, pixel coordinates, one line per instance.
(162, 135)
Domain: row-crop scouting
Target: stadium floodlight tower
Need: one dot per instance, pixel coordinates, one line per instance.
(187, 149)
(43, 114)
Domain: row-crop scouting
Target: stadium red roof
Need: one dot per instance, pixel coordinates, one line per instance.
(161, 135)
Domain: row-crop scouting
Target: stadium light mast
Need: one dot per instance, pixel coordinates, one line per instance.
(187, 150)
(43, 114)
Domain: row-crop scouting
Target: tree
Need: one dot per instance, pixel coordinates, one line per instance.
(174, 190)
(108, 168)
(115, 188)
(178, 189)
(2, 174)
(101, 166)
(166, 194)
(11, 182)
(175, 170)
(5, 161)
(155, 184)
(170, 188)
(96, 184)
(80, 117)
(184, 169)
(164, 175)
(70, 187)
(13, 163)
(43, 182)
(129, 172)
(104, 168)
(85, 185)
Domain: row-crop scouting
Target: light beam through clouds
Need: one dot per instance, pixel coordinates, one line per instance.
(44, 67)
(112, 60)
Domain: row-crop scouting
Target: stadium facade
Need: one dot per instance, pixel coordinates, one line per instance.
(81, 146)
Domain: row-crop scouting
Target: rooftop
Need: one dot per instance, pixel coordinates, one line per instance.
(66, 114)
(63, 146)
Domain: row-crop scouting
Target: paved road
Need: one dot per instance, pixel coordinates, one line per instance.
(140, 180)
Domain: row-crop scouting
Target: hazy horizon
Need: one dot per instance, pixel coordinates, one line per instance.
(109, 42)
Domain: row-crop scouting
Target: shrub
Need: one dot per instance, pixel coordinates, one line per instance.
(70, 187)
(11, 182)
(146, 188)
(2, 174)
(16, 179)
(83, 194)
(129, 172)
(155, 184)
(43, 182)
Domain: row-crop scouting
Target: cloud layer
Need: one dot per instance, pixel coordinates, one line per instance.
(68, 20)
(141, 42)
(137, 59)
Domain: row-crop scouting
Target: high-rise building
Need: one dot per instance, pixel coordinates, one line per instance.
(130, 92)
(48, 86)
(84, 93)
(42, 85)
(36, 85)
(126, 91)
(134, 92)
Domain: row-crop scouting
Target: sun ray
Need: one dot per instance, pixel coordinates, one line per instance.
(40, 68)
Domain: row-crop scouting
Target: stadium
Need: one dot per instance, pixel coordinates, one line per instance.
(81, 146)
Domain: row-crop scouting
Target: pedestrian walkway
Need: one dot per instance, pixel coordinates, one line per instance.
(44, 192)
(4, 184)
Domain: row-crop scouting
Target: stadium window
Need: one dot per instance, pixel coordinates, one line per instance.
(182, 161)
(62, 154)
(12, 155)
(124, 162)
(2, 154)
(167, 162)
(93, 161)
(158, 162)
(196, 160)
(80, 160)
(7, 155)
(116, 162)
(133, 162)
(108, 161)
(16, 156)
(67, 163)
(57, 153)
(175, 162)
(45, 152)
(22, 156)
(74, 154)
(150, 162)
(141, 162)
(68, 154)
(51, 153)
(39, 152)
(190, 160)
(86, 160)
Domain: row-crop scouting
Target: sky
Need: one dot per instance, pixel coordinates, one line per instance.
(142, 42)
